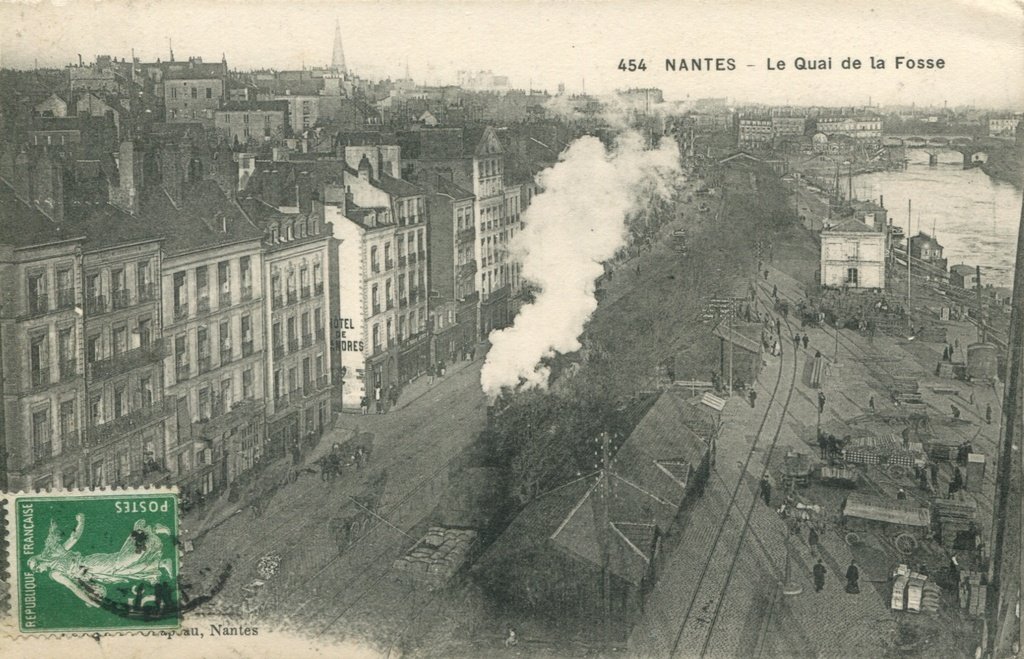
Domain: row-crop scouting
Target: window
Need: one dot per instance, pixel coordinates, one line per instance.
(401, 249)
(38, 360)
(181, 357)
(307, 335)
(195, 92)
(203, 347)
(304, 281)
(247, 390)
(65, 289)
(275, 287)
(209, 92)
(293, 342)
(120, 343)
(246, 336)
(118, 288)
(387, 256)
(375, 299)
(66, 352)
(144, 281)
(37, 302)
(96, 410)
(307, 375)
(120, 401)
(67, 421)
(245, 273)
(318, 323)
(318, 277)
(224, 283)
(278, 340)
(225, 394)
(92, 349)
(391, 333)
(376, 337)
(401, 328)
(851, 276)
(387, 294)
(204, 403)
(180, 295)
(225, 342)
(145, 330)
(146, 391)
(374, 263)
(278, 385)
(293, 379)
(202, 289)
(41, 434)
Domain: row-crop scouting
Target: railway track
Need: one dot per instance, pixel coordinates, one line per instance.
(716, 551)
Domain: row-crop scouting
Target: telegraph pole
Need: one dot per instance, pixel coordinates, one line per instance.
(1005, 568)
(981, 309)
(604, 535)
(910, 221)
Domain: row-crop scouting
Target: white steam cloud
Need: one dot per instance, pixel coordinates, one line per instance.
(572, 227)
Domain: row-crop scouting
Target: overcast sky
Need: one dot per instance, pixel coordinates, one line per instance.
(981, 41)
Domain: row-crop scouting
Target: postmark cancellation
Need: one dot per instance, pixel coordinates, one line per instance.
(85, 561)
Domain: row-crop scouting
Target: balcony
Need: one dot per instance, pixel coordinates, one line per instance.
(65, 299)
(182, 372)
(423, 256)
(319, 335)
(146, 292)
(69, 441)
(38, 304)
(375, 310)
(224, 300)
(307, 339)
(318, 289)
(225, 355)
(293, 345)
(41, 377)
(133, 420)
(281, 403)
(246, 293)
(293, 297)
(402, 261)
(389, 264)
(276, 302)
(121, 299)
(375, 268)
(203, 304)
(95, 305)
(278, 351)
(42, 451)
(205, 363)
(465, 235)
(467, 269)
(414, 295)
(246, 348)
(412, 258)
(304, 292)
(68, 370)
(403, 302)
(126, 361)
(181, 311)
(315, 385)
(390, 304)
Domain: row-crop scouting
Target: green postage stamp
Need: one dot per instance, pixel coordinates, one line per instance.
(94, 561)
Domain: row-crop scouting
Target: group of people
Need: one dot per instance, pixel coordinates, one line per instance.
(830, 446)
(383, 399)
(852, 577)
(798, 339)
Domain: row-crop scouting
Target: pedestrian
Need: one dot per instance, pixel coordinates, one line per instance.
(807, 341)
(988, 413)
(393, 395)
(956, 412)
(766, 275)
(378, 397)
(430, 374)
(442, 368)
(971, 399)
(778, 327)
(812, 538)
(796, 340)
(945, 354)
(822, 445)
(511, 638)
(775, 291)
(364, 405)
(752, 397)
(901, 495)
(852, 578)
(956, 484)
(871, 403)
(821, 402)
(819, 576)
(638, 269)
(766, 490)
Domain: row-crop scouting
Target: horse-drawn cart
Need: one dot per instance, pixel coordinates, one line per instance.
(904, 523)
(356, 519)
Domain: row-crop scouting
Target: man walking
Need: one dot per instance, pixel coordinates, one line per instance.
(821, 402)
(822, 445)
(378, 397)
(752, 397)
(852, 579)
(766, 490)
(819, 572)
(807, 341)
(796, 341)
(812, 539)
(988, 413)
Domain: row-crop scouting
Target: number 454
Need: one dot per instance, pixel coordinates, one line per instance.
(632, 65)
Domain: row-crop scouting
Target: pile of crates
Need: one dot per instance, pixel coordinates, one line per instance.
(952, 517)
(973, 592)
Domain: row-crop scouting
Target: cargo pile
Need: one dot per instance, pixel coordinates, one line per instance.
(912, 591)
(438, 555)
(973, 592)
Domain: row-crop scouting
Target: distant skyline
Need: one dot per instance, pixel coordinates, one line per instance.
(578, 44)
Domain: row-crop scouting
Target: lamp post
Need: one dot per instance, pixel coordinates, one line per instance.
(789, 586)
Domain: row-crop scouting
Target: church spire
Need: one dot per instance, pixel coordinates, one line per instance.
(338, 58)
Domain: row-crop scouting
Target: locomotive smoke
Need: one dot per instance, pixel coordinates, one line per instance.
(572, 227)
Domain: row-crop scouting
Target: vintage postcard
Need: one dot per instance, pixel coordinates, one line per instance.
(478, 329)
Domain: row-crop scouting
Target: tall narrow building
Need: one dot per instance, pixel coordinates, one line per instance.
(338, 58)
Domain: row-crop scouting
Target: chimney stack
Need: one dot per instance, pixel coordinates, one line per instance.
(22, 178)
(304, 192)
(47, 187)
(129, 175)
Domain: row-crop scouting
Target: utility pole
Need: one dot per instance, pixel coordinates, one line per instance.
(981, 309)
(910, 221)
(730, 347)
(1005, 568)
(604, 538)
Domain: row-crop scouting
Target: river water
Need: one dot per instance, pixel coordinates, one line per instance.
(974, 217)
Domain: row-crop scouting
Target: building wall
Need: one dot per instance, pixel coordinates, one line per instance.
(247, 125)
(352, 335)
(843, 251)
(206, 384)
(192, 100)
(303, 111)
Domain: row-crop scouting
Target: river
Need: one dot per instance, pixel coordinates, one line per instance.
(974, 217)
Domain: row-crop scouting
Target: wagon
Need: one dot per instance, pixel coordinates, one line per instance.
(845, 476)
(904, 523)
(360, 515)
(796, 469)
